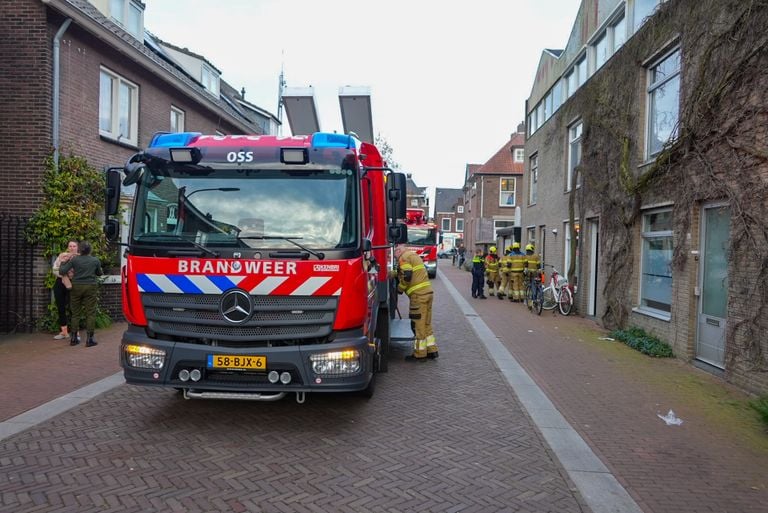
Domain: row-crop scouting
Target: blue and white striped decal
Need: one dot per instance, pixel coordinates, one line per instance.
(200, 284)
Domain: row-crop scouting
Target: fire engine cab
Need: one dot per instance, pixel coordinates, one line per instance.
(257, 266)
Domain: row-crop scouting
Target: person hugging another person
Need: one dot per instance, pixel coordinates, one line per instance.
(61, 287)
(84, 296)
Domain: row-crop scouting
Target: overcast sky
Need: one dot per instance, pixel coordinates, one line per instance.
(448, 80)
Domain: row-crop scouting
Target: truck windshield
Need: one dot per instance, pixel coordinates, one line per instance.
(258, 208)
(422, 236)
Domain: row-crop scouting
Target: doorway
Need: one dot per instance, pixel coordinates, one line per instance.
(713, 284)
(594, 257)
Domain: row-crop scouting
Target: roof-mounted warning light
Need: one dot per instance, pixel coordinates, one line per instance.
(175, 140)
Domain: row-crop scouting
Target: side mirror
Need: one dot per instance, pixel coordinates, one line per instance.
(397, 234)
(396, 196)
(133, 172)
(113, 191)
(367, 245)
(112, 229)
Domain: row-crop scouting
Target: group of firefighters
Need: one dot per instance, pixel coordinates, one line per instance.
(505, 275)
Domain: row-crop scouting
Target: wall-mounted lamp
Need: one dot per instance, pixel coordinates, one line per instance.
(554, 232)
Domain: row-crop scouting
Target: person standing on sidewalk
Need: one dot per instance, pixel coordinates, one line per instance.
(85, 292)
(492, 270)
(478, 274)
(414, 282)
(61, 289)
(462, 252)
(517, 259)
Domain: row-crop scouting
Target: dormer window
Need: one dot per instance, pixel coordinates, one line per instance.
(210, 80)
(130, 15)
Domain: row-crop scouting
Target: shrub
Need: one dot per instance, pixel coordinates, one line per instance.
(639, 340)
(760, 405)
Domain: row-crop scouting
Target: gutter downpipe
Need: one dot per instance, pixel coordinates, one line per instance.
(56, 85)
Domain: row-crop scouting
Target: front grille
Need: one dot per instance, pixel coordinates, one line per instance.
(277, 320)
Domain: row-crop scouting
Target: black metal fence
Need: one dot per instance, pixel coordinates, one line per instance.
(17, 259)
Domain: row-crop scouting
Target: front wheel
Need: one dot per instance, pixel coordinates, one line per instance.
(548, 299)
(566, 301)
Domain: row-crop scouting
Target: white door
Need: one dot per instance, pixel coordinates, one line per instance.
(713, 283)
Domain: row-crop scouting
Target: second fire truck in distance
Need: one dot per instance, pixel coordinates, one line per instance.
(423, 238)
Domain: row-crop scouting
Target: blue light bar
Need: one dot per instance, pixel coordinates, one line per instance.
(327, 140)
(177, 140)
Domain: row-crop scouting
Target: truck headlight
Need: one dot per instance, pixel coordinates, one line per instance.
(144, 357)
(336, 363)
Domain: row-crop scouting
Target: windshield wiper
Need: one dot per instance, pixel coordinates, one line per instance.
(182, 239)
(319, 255)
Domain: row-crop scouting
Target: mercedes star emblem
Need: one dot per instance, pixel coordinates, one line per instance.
(236, 306)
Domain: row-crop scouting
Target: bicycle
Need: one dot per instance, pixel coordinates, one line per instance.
(533, 291)
(558, 293)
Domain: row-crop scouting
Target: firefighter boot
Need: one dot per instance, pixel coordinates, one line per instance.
(90, 342)
(433, 355)
(73, 338)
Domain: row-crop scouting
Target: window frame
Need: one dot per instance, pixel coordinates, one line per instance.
(645, 236)
(569, 182)
(652, 88)
(442, 224)
(519, 155)
(459, 209)
(114, 131)
(211, 85)
(459, 225)
(533, 179)
(505, 194)
(181, 117)
(124, 9)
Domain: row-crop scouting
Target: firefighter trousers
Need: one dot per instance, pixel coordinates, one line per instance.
(420, 313)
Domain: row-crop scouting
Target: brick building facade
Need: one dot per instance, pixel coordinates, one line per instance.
(117, 88)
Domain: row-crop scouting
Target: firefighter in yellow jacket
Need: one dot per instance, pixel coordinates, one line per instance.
(492, 271)
(505, 266)
(517, 259)
(414, 282)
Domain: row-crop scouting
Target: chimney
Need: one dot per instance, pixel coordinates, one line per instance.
(521, 128)
(242, 93)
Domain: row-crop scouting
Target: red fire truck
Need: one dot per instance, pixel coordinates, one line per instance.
(423, 238)
(257, 265)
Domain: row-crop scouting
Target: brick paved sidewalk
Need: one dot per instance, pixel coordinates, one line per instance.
(36, 368)
(717, 460)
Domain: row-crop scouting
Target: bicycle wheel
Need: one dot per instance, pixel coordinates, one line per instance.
(536, 304)
(548, 301)
(566, 301)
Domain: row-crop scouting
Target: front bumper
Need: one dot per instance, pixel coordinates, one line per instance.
(294, 360)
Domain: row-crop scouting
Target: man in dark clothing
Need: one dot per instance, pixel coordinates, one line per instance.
(461, 255)
(84, 296)
(478, 274)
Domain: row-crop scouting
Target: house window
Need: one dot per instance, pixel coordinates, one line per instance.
(533, 180)
(574, 154)
(414, 202)
(460, 209)
(570, 80)
(177, 119)
(210, 80)
(602, 50)
(663, 102)
(129, 15)
(557, 95)
(446, 224)
(643, 10)
(507, 192)
(519, 155)
(530, 235)
(118, 108)
(619, 31)
(459, 225)
(656, 262)
(581, 69)
(498, 225)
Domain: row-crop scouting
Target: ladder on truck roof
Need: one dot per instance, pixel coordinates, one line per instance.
(355, 104)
